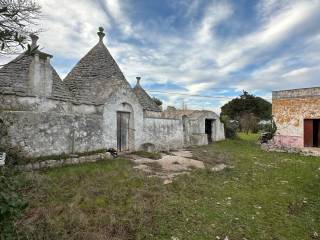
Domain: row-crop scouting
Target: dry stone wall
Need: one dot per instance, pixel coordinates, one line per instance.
(32, 103)
(35, 134)
(165, 134)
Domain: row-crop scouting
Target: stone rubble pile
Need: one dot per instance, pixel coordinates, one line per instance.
(271, 147)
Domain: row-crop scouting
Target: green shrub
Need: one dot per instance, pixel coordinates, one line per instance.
(11, 203)
(269, 129)
(230, 126)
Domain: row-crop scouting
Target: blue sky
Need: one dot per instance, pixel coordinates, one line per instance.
(198, 47)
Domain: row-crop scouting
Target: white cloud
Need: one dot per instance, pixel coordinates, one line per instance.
(267, 8)
(198, 87)
(115, 10)
(215, 14)
(279, 28)
(69, 27)
(297, 72)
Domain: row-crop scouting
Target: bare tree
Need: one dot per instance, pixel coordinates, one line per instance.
(17, 17)
(249, 122)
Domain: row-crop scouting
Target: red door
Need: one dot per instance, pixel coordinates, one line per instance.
(308, 133)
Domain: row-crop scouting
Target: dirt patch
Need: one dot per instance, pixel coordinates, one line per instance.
(150, 155)
(178, 163)
(169, 165)
(182, 153)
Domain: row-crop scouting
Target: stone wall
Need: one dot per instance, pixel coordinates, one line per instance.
(195, 125)
(41, 126)
(45, 104)
(165, 134)
(218, 130)
(152, 114)
(46, 164)
(297, 93)
(33, 103)
(35, 134)
(289, 109)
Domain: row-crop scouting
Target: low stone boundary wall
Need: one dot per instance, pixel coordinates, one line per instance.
(39, 134)
(64, 162)
(271, 147)
(165, 134)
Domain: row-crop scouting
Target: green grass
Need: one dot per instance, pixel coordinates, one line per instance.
(264, 196)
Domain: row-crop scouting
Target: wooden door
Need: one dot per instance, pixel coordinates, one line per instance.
(308, 133)
(123, 119)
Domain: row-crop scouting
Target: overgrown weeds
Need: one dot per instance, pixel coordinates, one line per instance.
(265, 196)
(105, 200)
(11, 202)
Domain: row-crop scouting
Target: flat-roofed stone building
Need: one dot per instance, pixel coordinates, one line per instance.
(93, 108)
(297, 116)
(200, 127)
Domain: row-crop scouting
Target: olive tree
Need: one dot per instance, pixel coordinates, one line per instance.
(17, 20)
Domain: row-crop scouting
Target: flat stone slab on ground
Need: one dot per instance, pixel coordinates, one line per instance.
(177, 163)
(183, 153)
(218, 167)
(180, 162)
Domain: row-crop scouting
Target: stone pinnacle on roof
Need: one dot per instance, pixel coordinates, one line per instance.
(145, 100)
(34, 39)
(138, 80)
(101, 34)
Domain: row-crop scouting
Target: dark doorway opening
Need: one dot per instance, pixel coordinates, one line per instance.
(312, 132)
(208, 129)
(185, 129)
(123, 119)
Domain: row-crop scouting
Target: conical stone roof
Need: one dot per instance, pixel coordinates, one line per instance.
(59, 89)
(145, 100)
(95, 76)
(15, 76)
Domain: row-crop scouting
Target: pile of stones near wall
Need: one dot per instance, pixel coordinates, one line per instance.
(271, 147)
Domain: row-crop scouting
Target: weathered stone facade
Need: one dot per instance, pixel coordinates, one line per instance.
(41, 115)
(162, 132)
(291, 109)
